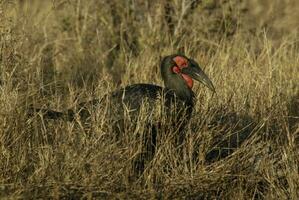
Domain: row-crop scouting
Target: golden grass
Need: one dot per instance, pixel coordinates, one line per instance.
(55, 54)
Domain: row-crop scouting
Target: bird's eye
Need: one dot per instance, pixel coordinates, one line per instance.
(176, 70)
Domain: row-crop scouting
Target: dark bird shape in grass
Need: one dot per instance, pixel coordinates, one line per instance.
(178, 73)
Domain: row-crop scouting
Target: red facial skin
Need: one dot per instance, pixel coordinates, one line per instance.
(181, 63)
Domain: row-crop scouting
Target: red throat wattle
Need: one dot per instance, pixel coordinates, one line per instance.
(188, 80)
(182, 63)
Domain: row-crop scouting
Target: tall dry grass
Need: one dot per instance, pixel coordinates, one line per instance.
(55, 54)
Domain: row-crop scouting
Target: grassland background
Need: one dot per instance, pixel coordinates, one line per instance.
(54, 54)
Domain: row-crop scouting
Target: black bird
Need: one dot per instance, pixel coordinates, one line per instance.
(178, 73)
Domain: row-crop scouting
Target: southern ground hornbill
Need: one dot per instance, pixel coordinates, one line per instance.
(178, 73)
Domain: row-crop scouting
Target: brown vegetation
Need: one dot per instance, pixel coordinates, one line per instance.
(55, 54)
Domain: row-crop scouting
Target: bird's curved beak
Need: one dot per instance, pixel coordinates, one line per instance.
(198, 74)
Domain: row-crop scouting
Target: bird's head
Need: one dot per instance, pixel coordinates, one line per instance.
(178, 72)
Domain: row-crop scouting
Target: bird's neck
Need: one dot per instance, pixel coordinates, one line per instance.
(181, 90)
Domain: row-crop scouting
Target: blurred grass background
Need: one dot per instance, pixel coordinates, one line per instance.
(55, 54)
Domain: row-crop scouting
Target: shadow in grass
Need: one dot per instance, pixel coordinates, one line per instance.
(293, 114)
(232, 130)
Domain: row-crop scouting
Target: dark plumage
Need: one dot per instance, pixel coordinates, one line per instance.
(177, 72)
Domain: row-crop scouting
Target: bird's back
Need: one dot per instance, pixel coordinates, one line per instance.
(153, 97)
(129, 100)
